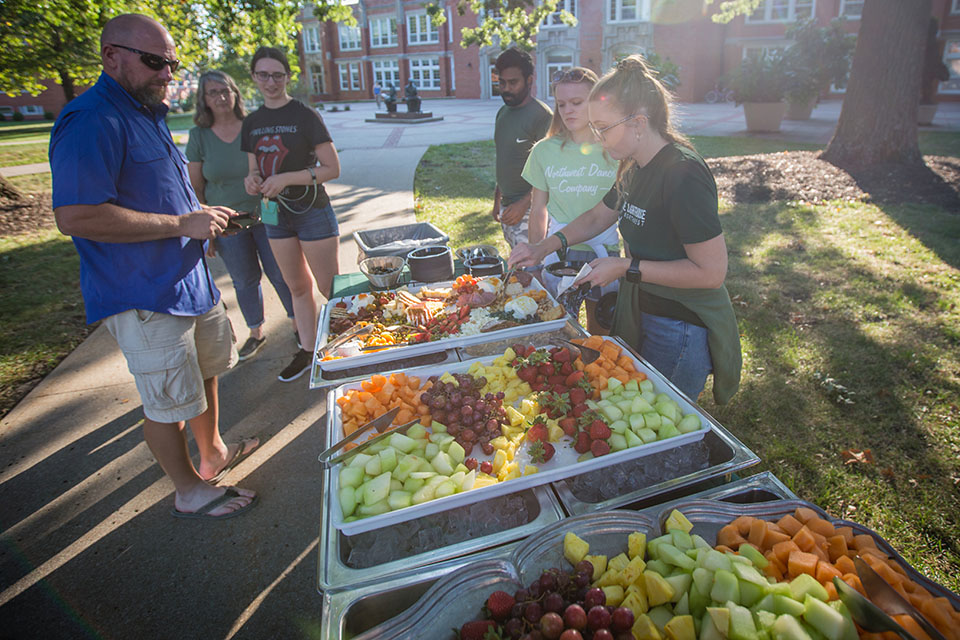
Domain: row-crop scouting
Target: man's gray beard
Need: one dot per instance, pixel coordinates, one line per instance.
(148, 95)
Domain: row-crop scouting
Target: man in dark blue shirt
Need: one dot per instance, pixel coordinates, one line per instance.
(121, 190)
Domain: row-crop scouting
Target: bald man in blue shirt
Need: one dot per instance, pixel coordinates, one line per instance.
(122, 191)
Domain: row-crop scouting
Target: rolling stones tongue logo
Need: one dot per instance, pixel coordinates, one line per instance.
(270, 154)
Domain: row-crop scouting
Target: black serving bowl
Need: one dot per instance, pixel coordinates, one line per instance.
(484, 266)
(431, 264)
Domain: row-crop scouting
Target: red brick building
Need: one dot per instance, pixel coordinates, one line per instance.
(395, 40)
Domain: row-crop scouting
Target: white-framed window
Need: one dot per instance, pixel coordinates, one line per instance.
(758, 51)
(311, 40)
(558, 61)
(316, 78)
(955, 6)
(425, 73)
(383, 31)
(782, 11)
(421, 30)
(387, 72)
(7, 111)
(628, 10)
(350, 77)
(349, 37)
(31, 110)
(450, 27)
(553, 20)
(951, 57)
(853, 9)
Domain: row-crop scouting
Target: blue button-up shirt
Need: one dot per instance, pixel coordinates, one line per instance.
(107, 147)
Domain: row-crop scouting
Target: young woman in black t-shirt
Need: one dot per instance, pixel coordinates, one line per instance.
(672, 306)
(290, 156)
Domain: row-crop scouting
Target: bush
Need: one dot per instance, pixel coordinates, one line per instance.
(819, 57)
(346, 107)
(48, 115)
(17, 116)
(759, 79)
(3, 118)
(667, 71)
(188, 103)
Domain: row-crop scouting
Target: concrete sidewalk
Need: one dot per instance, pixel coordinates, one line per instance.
(89, 549)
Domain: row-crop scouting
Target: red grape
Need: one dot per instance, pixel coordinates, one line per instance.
(513, 628)
(602, 634)
(551, 625)
(598, 618)
(621, 619)
(571, 634)
(553, 602)
(575, 617)
(595, 597)
(533, 612)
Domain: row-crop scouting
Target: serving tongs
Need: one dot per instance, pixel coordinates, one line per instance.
(889, 599)
(866, 614)
(380, 424)
(383, 436)
(502, 289)
(586, 354)
(349, 334)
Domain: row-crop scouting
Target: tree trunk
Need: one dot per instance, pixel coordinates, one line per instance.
(66, 81)
(8, 191)
(878, 120)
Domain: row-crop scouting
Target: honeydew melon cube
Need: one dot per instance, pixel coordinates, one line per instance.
(468, 480)
(736, 559)
(431, 451)
(640, 405)
(689, 423)
(750, 592)
(437, 427)
(649, 396)
(647, 435)
(765, 619)
(388, 459)
(720, 616)
(682, 607)
(395, 485)
(376, 448)
(613, 384)
(351, 476)
(698, 600)
(668, 431)
(827, 620)
(405, 466)
(654, 544)
(726, 587)
(416, 432)
(367, 510)
(787, 605)
(659, 591)
(411, 485)
(698, 541)
(444, 489)
(619, 426)
(591, 404)
(399, 499)
(633, 440)
(377, 489)
(787, 627)
(651, 420)
(617, 442)
(612, 412)
(847, 619)
(805, 584)
(661, 616)
(624, 405)
(423, 494)
(441, 439)
(636, 421)
(372, 468)
(437, 479)
(661, 397)
(680, 583)
(780, 589)
(631, 385)
(659, 566)
(605, 394)
(749, 551)
(457, 477)
(742, 626)
(708, 630)
(402, 442)
(748, 573)
(422, 475)
(671, 555)
(681, 539)
(764, 604)
(715, 560)
(599, 565)
(348, 501)
(359, 460)
(456, 452)
(629, 395)
(644, 628)
(461, 467)
(703, 578)
(667, 409)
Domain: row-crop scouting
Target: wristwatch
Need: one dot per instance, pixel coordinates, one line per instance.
(633, 272)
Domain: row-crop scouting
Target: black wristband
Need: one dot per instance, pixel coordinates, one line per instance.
(563, 245)
(633, 271)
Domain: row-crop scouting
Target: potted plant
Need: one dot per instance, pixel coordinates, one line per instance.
(934, 72)
(759, 84)
(819, 56)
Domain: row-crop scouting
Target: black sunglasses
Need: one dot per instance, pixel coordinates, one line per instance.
(152, 60)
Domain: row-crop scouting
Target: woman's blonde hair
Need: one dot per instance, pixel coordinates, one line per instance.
(203, 116)
(633, 86)
(575, 75)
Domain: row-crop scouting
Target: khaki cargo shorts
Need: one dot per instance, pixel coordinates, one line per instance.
(170, 357)
(514, 234)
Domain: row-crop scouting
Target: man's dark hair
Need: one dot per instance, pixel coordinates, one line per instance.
(514, 57)
(272, 53)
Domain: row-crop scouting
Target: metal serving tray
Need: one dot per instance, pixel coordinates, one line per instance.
(320, 379)
(351, 611)
(708, 516)
(562, 465)
(387, 355)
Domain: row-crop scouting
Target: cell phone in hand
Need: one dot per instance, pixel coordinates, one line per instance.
(242, 221)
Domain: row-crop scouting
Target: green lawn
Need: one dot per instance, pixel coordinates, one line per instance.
(17, 154)
(835, 302)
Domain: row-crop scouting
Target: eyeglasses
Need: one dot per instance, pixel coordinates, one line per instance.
(568, 75)
(599, 132)
(152, 60)
(263, 76)
(219, 93)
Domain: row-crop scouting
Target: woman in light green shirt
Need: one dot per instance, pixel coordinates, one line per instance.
(217, 168)
(570, 174)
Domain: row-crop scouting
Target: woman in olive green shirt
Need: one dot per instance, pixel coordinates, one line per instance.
(217, 168)
(672, 305)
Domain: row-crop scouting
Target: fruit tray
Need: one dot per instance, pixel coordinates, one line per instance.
(348, 612)
(406, 351)
(564, 463)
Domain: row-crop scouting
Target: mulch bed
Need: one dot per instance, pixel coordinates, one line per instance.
(790, 176)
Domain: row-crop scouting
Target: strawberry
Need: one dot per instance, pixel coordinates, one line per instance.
(599, 448)
(546, 369)
(560, 389)
(519, 349)
(562, 355)
(577, 395)
(582, 444)
(476, 629)
(555, 380)
(566, 368)
(573, 378)
(529, 351)
(599, 430)
(569, 426)
(500, 603)
(537, 432)
(578, 409)
(527, 374)
(541, 452)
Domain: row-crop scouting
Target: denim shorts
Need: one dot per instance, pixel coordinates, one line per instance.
(313, 224)
(678, 350)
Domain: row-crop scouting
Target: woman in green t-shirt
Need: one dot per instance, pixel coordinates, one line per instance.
(672, 306)
(569, 173)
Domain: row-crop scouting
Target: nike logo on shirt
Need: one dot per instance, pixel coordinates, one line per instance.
(519, 141)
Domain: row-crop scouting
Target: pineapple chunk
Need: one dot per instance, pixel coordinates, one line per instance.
(677, 520)
(636, 544)
(609, 577)
(614, 595)
(599, 565)
(509, 471)
(475, 368)
(530, 469)
(658, 589)
(499, 459)
(681, 628)
(644, 628)
(554, 432)
(618, 562)
(575, 548)
(509, 355)
(635, 602)
(484, 480)
(515, 417)
(633, 570)
(500, 442)
(529, 407)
